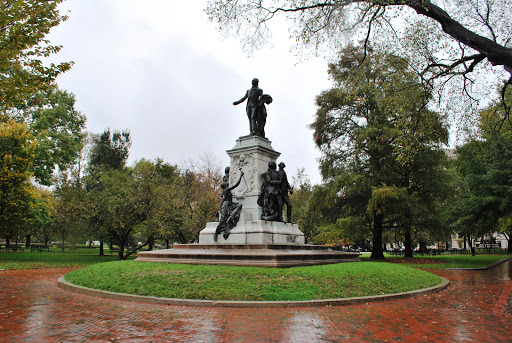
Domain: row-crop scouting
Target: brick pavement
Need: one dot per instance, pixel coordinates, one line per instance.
(477, 307)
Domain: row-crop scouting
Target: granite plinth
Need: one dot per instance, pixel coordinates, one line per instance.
(263, 255)
(255, 232)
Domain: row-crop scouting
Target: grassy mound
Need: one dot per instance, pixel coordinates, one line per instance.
(252, 283)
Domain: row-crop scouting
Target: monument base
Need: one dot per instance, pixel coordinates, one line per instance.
(255, 232)
(262, 255)
(251, 243)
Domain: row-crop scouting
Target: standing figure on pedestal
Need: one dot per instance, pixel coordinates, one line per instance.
(229, 212)
(284, 188)
(270, 198)
(225, 179)
(256, 111)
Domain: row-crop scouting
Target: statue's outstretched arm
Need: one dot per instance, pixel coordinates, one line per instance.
(237, 183)
(243, 99)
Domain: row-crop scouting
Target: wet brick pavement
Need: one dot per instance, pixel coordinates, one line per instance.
(476, 307)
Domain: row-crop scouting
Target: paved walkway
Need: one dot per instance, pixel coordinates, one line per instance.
(477, 307)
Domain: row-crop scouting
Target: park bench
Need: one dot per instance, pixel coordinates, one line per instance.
(39, 248)
(15, 248)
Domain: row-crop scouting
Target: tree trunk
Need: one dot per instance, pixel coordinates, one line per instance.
(90, 243)
(7, 242)
(470, 243)
(102, 252)
(120, 253)
(27, 241)
(169, 246)
(423, 246)
(408, 243)
(377, 251)
(150, 245)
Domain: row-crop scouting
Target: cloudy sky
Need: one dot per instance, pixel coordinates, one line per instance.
(160, 69)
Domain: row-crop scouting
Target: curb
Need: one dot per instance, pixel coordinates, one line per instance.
(252, 304)
(490, 266)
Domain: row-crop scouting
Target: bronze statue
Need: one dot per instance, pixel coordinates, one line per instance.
(229, 211)
(256, 111)
(284, 188)
(270, 198)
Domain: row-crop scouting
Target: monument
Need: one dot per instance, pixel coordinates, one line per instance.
(251, 229)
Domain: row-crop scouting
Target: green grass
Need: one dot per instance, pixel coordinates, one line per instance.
(252, 283)
(54, 259)
(450, 261)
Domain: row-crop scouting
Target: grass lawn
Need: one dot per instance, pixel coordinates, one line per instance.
(252, 283)
(447, 261)
(244, 283)
(54, 259)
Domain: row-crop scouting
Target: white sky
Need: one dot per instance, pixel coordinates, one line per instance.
(159, 69)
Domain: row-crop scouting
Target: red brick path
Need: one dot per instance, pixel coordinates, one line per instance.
(477, 307)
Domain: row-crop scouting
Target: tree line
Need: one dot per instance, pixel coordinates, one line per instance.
(381, 129)
(387, 175)
(57, 182)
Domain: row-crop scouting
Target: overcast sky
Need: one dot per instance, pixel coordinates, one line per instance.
(161, 70)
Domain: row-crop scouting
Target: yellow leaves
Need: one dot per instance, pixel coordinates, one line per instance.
(384, 197)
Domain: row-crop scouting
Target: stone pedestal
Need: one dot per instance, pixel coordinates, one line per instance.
(251, 154)
(255, 232)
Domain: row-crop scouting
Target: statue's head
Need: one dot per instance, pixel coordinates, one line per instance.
(282, 165)
(226, 171)
(255, 81)
(272, 165)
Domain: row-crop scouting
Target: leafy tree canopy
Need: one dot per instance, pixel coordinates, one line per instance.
(450, 38)
(16, 192)
(110, 150)
(381, 146)
(23, 27)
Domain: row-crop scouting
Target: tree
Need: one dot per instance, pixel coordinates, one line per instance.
(108, 151)
(485, 169)
(24, 25)
(122, 206)
(484, 165)
(16, 192)
(479, 32)
(70, 217)
(375, 132)
(40, 216)
(57, 128)
(303, 212)
(201, 179)
(201, 198)
(43, 213)
(28, 92)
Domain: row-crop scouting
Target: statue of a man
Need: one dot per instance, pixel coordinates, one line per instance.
(229, 211)
(284, 188)
(256, 111)
(270, 198)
